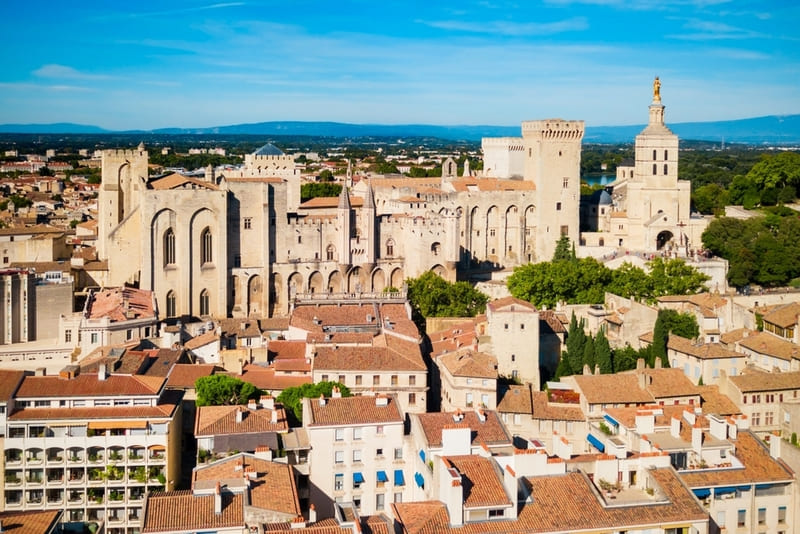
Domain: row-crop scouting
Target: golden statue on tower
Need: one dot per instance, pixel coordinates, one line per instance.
(656, 90)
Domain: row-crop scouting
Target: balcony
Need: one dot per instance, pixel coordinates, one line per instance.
(13, 478)
(96, 496)
(75, 497)
(55, 497)
(116, 495)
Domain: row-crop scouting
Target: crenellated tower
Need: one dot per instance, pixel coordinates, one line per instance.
(552, 153)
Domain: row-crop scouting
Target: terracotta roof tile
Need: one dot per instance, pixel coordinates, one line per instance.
(9, 381)
(784, 316)
(703, 351)
(491, 431)
(184, 375)
(771, 345)
(31, 522)
(712, 401)
(89, 385)
(121, 303)
(754, 380)
(178, 181)
(466, 363)
(273, 487)
(511, 304)
(515, 399)
(482, 485)
(354, 410)
(759, 466)
(219, 420)
(182, 510)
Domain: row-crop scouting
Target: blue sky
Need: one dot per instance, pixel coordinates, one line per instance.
(143, 64)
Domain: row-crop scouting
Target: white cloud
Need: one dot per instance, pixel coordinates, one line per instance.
(505, 27)
(53, 70)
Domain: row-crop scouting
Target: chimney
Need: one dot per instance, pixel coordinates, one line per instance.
(321, 399)
(481, 415)
(657, 364)
(718, 427)
(218, 499)
(774, 446)
(697, 439)
(40, 371)
(252, 404)
(238, 414)
(101, 371)
(642, 379)
(640, 364)
(381, 400)
(586, 370)
(458, 416)
(239, 465)
(268, 402)
(274, 416)
(336, 392)
(312, 514)
(675, 427)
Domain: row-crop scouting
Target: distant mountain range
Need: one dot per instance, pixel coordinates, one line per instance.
(773, 129)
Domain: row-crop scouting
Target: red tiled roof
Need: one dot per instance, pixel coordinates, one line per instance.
(184, 375)
(121, 304)
(482, 486)
(182, 510)
(9, 381)
(354, 410)
(31, 522)
(219, 420)
(89, 385)
(491, 431)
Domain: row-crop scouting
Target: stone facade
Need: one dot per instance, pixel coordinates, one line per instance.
(241, 244)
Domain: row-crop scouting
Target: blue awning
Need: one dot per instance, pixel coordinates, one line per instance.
(399, 479)
(596, 442)
(419, 479)
(422, 455)
(610, 419)
(724, 490)
(702, 493)
(764, 486)
(382, 476)
(358, 478)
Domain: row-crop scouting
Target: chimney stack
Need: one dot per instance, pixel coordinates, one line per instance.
(239, 414)
(268, 402)
(218, 499)
(101, 371)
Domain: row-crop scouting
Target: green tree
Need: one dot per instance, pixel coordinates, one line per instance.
(776, 171)
(319, 189)
(575, 345)
(217, 390)
(292, 398)
(430, 295)
(564, 250)
(588, 354)
(602, 353)
(710, 198)
(671, 322)
(326, 176)
(674, 277)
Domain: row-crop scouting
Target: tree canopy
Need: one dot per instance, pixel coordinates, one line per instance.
(431, 295)
(319, 189)
(585, 280)
(670, 322)
(292, 398)
(218, 390)
(760, 250)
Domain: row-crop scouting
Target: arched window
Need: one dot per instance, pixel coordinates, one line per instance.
(436, 248)
(204, 302)
(329, 252)
(169, 247)
(654, 155)
(170, 304)
(655, 170)
(389, 248)
(206, 242)
(665, 168)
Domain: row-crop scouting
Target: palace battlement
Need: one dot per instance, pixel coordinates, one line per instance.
(513, 144)
(557, 129)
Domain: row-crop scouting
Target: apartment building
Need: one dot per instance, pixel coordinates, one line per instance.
(759, 395)
(359, 453)
(91, 446)
(704, 361)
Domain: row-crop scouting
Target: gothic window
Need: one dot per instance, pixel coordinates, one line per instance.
(169, 247)
(654, 169)
(436, 248)
(170, 304)
(204, 302)
(329, 252)
(666, 152)
(390, 248)
(665, 168)
(248, 223)
(558, 206)
(565, 182)
(654, 155)
(206, 246)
